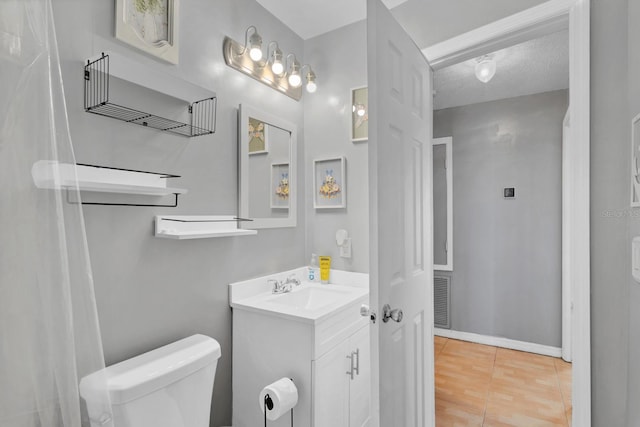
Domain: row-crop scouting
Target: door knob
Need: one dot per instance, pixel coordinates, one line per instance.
(366, 311)
(395, 314)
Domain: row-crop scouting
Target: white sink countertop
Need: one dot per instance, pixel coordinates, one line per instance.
(308, 302)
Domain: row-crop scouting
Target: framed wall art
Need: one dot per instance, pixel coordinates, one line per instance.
(258, 137)
(149, 25)
(329, 183)
(280, 186)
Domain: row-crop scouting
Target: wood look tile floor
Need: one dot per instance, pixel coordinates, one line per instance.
(483, 386)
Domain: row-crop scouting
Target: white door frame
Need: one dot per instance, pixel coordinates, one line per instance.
(554, 15)
(567, 293)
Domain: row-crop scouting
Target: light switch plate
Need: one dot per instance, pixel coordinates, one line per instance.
(635, 258)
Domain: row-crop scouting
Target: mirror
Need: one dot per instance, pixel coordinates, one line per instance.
(443, 204)
(267, 169)
(359, 114)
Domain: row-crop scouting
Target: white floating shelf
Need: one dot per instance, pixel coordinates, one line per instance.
(182, 227)
(50, 174)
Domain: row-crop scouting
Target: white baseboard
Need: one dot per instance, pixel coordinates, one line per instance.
(529, 347)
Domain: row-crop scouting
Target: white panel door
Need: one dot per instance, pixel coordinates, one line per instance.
(400, 176)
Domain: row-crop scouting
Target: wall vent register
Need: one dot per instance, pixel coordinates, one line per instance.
(442, 302)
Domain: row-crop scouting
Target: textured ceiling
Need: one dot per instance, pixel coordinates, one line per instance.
(310, 18)
(535, 66)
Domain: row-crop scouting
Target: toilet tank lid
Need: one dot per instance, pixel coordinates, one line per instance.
(148, 372)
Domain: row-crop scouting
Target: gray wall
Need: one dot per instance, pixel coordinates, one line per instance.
(507, 259)
(153, 291)
(339, 59)
(634, 291)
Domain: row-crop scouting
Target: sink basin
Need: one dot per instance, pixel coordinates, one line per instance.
(310, 298)
(307, 302)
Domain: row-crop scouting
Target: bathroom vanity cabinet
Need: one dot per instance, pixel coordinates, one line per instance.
(324, 350)
(341, 383)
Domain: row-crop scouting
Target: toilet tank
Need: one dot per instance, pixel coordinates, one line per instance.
(170, 386)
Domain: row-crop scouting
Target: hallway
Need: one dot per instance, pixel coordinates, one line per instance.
(479, 385)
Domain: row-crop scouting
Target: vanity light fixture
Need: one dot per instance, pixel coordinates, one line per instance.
(485, 68)
(274, 70)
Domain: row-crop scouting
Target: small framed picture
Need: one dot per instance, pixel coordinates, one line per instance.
(280, 186)
(258, 137)
(329, 183)
(359, 114)
(149, 25)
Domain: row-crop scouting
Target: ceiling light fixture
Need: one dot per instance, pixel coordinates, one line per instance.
(485, 68)
(282, 73)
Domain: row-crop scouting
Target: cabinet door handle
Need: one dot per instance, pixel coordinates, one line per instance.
(351, 370)
(357, 356)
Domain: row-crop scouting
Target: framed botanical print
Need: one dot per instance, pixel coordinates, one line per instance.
(149, 25)
(329, 183)
(280, 186)
(258, 136)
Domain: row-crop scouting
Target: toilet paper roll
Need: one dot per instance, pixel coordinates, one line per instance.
(284, 395)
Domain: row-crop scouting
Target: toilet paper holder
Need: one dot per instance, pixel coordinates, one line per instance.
(268, 405)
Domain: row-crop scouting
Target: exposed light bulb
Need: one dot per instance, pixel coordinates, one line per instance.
(485, 69)
(312, 87)
(311, 81)
(294, 79)
(360, 110)
(277, 67)
(255, 43)
(255, 54)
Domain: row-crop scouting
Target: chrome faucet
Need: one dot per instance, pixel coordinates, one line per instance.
(281, 287)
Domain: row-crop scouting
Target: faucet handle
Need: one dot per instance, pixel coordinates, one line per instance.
(292, 279)
(276, 285)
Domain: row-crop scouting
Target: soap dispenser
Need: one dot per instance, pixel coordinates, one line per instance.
(313, 271)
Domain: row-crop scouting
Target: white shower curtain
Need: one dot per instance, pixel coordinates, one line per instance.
(49, 333)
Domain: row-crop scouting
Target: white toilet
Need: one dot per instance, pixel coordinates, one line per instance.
(170, 386)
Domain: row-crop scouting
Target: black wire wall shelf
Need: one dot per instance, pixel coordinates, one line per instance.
(97, 76)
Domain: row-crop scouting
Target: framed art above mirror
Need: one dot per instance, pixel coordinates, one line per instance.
(267, 169)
